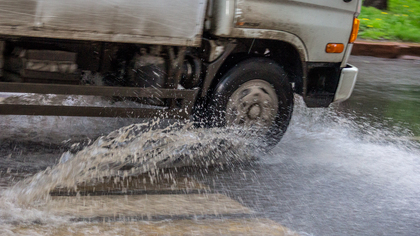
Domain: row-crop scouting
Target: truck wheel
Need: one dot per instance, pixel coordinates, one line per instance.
(255, 94)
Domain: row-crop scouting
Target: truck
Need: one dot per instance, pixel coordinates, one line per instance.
(216, 62)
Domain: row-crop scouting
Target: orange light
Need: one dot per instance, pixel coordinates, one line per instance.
(240, 23)
(334, 48)
(355, 30)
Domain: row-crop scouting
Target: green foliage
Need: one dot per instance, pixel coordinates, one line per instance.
(400, 22)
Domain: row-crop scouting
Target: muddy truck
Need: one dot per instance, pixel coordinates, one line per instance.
(217, 62)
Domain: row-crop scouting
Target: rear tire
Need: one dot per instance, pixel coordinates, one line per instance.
(254, 93)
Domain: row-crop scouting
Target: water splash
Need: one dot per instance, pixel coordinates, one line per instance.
(137, 148)
(329, 136)
(357, 144)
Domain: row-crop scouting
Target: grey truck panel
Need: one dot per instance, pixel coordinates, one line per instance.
(313, 22)
(174, 22)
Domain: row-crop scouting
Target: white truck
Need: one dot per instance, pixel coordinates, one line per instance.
(221, 62)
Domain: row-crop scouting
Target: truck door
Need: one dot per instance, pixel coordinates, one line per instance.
(315, 22)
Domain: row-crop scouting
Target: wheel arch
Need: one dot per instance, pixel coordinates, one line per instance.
(283, 53)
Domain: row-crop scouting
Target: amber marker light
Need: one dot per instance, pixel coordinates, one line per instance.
(334, 48)
(355, 30)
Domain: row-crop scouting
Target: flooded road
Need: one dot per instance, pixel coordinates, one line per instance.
(351, 169)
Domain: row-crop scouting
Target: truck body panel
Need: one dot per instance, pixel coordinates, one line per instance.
(315, 22)
(176, 22)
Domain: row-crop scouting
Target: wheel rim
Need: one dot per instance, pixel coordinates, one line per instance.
(253, 104)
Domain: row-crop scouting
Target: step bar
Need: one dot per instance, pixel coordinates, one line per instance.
(185, 97)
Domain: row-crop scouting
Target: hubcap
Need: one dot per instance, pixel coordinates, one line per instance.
(254, 112)
(253, 104)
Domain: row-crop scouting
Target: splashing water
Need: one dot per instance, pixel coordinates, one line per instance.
(140, 147)
(313, 135)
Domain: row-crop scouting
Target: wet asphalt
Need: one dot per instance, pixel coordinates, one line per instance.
(350, 169)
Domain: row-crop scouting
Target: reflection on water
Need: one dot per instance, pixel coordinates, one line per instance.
(387, 93)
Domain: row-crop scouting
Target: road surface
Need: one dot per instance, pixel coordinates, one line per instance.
(351, 169)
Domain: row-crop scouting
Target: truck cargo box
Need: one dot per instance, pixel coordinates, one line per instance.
(174, 22)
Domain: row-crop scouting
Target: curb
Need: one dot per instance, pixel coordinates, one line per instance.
(386, 49)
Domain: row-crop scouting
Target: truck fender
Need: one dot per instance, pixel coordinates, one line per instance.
(273, 35)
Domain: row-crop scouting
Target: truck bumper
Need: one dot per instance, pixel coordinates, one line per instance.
(346, 83)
